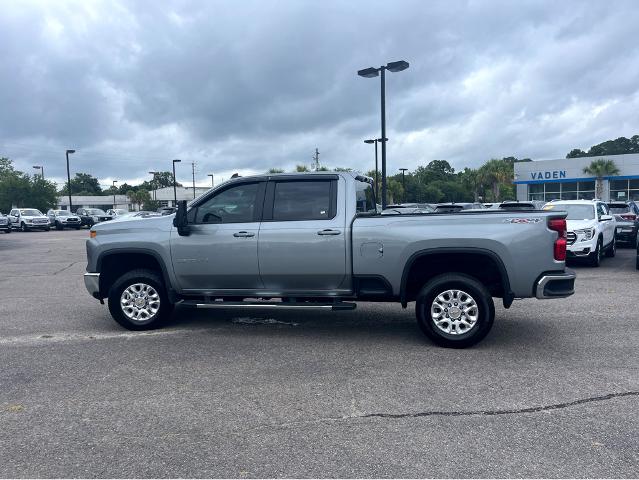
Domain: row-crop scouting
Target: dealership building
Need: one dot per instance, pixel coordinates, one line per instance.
(565, 179)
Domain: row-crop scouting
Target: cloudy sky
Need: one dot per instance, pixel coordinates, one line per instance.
(244, 86)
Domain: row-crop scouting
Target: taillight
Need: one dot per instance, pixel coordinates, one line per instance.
(559, 248)
(629, 216)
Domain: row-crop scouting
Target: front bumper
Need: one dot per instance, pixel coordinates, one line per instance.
(92, 284)
(555, 285)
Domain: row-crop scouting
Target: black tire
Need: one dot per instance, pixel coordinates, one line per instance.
(148, 277)
(594, 259)
(58, 226)
(637, 262)
(611, 251)
(46, 229)
(23, 227)
(455, 281)
(77, 228)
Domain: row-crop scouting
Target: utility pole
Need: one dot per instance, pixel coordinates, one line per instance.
(403, 170)
(193, 171)
(211, 175)
(316, 160)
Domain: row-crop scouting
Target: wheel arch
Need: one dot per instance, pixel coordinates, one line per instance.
(433, 260)
(114, 263)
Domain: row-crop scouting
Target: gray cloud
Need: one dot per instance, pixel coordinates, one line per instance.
(252, 85)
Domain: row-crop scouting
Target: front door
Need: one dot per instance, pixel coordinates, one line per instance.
(608, 225)
(302, 245)
(221, 251)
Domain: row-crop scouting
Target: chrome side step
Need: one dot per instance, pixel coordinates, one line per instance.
(274, 305)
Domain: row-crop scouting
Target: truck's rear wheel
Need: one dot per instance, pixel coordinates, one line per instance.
(455, 310)
(138, 300)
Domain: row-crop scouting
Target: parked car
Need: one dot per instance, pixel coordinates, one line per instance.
(91, 216)
(27, 219)
(63, 218)
(591, 229)
(627, 217)
(405, 208)
(5, 224)
(314, 251)
(518, 206)
(116, 212)
(637, 259)
(453, 207)
(166, 210)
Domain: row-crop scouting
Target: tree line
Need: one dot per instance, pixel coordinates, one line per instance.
(435, 182)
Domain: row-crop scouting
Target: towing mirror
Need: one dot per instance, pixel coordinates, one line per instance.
(180, 221)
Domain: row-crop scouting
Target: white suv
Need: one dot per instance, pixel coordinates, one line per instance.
(591, 229)
(28, 219)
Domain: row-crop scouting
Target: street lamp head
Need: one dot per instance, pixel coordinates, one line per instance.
(403, 170)
(177, 160)
(70, 151)
(152, 173)
(382, 139)
(369, 141)
(397, 66)
(37, 166)
(368, 72)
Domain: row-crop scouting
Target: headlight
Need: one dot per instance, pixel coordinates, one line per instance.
(586, 232)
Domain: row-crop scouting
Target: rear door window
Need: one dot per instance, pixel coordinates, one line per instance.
(303, 200)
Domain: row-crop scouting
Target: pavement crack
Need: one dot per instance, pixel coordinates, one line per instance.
(514, 411)
(65, 268)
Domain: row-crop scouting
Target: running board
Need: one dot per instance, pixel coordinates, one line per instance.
(274, 305)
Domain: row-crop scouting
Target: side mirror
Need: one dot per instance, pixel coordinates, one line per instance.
(604, 218)
(180, 221)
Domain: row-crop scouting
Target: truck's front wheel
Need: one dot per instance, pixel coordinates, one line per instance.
(138, 300)
(455, 310)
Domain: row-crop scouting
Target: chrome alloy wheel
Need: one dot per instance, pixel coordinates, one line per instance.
(140, 302)
(454, 312)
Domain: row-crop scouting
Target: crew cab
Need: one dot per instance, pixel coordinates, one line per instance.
(315, 240)
(27, 219)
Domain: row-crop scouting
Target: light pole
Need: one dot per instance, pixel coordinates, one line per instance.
(211, 175)
(69, 179)
(375, 141)
(154, 185)
(113, 187)
(41, 168)
(403, 170)
(177, 160)
(374, 72)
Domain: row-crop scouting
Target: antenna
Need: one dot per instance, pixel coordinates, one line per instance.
(193, 171)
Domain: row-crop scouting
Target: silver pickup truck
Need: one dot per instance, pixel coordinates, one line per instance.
(316, 241)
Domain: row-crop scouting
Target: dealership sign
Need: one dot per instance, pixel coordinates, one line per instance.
(549, 175)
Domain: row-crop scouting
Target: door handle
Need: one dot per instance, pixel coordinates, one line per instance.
(243, 234)
(328, 231)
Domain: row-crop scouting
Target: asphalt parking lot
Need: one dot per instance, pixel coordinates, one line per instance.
(552, 392)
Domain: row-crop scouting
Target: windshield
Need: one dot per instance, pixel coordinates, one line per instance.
(575, 212)
(619, 208)
(62, 213)
(95, 211)
(30, 212)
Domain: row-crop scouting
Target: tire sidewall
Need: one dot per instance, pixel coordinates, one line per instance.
(471, 286)
(128, 279)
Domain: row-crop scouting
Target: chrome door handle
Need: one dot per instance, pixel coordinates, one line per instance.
(243, 234)
(328, 231)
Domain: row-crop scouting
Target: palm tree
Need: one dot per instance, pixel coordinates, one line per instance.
(601, 168)
(496, 173)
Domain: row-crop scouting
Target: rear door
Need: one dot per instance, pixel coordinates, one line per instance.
(302, 241)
